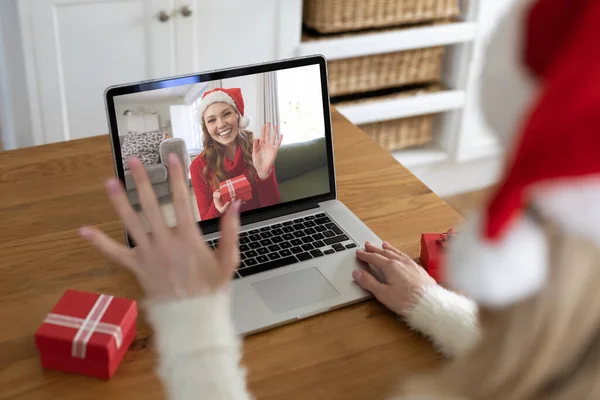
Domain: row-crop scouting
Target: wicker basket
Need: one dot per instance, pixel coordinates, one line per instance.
(400, 133)
(380, 71)
(329, 16)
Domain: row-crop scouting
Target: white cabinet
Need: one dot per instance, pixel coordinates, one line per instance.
(140, 123)
(226, 33)
(74, 49)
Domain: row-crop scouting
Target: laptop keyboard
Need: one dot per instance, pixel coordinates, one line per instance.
(287, 243)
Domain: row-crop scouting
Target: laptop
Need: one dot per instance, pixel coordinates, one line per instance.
(297, 240)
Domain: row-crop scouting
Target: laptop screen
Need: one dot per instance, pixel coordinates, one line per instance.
(259, 137)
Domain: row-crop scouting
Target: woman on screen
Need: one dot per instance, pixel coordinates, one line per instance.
(231, 151)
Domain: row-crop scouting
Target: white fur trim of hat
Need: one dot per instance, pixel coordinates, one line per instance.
(506, 271)
(232, 96)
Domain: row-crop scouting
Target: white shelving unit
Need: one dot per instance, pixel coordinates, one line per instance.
(389, 41)
(422, 104)
(462, 156)
(421, 156)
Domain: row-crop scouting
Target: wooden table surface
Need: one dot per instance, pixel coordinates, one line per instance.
(48, 192)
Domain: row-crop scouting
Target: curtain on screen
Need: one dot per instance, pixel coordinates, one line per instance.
(271, 97)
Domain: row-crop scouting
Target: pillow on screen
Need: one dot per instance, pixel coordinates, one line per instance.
(143, 145)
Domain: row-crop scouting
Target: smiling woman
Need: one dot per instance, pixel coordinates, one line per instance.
(231, 151)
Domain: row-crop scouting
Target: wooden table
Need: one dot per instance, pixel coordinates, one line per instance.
(48, 192)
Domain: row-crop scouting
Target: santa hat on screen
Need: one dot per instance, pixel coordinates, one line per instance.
(502, 254)
(231, 96)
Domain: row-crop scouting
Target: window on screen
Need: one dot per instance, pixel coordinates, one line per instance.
(300, 104)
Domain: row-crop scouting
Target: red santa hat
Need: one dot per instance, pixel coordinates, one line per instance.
(501, 256)
(231, 96)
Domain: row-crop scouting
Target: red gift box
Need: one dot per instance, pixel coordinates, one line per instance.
(238, 187)
(433, 248)
(87, 333)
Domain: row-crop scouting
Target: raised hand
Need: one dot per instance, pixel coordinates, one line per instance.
(264, 150)
(169, 263)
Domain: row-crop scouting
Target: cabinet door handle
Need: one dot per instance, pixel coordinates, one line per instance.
(163, 16)
(185, 11)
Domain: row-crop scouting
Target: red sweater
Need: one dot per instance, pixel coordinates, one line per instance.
(264, 193)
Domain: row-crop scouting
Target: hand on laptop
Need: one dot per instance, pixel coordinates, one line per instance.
(169, 263)
(264, 151)
(405, 278)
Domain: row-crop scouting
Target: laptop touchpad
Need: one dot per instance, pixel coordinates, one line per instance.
(294, 290)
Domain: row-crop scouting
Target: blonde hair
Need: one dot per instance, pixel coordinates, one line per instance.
(546, 347)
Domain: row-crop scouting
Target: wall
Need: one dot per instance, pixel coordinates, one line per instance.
(14, 102)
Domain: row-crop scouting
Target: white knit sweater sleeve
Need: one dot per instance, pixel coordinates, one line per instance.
(448, 319)
(198, 349)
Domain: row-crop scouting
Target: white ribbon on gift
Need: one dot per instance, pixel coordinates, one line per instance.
(87, 326)
(230, 187)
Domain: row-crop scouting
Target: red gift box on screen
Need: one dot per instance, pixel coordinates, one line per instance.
(433, 249)
(87, 333)
(238, 187)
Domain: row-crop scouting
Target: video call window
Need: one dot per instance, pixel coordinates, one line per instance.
(259, 138)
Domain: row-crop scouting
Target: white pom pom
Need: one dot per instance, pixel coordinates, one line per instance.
(245, 122)
(503, 272)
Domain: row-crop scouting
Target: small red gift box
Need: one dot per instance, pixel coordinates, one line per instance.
(433, 248)
(87, 333)
(238, 187)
